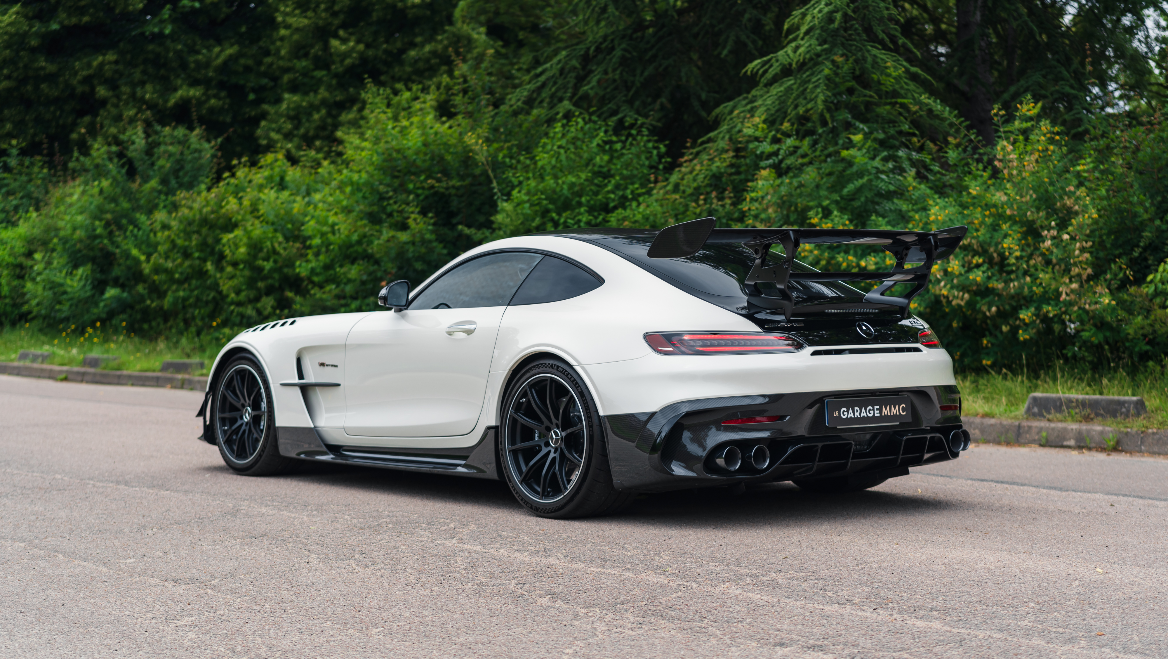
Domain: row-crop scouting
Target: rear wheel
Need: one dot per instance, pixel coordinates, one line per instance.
(551, 445)
(837, 485)
(244, 421)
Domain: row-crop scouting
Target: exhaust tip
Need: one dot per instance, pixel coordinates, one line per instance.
(729, 458)
(759, 457)
(959, 440)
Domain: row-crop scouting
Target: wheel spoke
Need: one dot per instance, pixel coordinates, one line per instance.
(544, 474)
(231, 397)
(532, 465)
(561, 409)
(258, 390)
(241, 438)
(526, 421)
(521, 447)
(228, 433)
(254, 437)
(561, 473)
(569, 454)
(230, 415)
(539, 410)
(239, 384)
(571, 430)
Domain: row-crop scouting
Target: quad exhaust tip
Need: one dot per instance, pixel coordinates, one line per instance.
(729, 458)
(759, 457)
(960, 440)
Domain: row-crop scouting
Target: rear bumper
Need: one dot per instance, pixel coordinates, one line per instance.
(677, 446)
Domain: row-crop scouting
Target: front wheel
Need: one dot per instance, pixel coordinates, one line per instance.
(244, 420)
(551, 446)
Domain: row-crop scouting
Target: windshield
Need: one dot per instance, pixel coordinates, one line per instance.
(719, 269)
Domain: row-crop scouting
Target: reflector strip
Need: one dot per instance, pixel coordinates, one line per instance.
(751, 419)
(948, 408)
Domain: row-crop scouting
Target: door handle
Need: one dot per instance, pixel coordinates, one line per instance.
(465, 327)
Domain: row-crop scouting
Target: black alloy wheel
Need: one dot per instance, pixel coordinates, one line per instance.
(551, 449)
(244, 420)
(547, 438)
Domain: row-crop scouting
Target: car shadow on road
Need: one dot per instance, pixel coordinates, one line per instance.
(771, 503)
(431, 487)
(766, 503)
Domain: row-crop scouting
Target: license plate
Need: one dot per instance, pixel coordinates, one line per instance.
(888, 410)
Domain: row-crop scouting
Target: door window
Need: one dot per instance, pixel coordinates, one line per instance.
(553, 280)
(487, 281)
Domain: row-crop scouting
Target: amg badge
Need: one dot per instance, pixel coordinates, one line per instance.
(888, 410)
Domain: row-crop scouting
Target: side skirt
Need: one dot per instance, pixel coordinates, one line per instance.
(477, 462)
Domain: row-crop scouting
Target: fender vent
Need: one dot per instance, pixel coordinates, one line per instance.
(279, 323)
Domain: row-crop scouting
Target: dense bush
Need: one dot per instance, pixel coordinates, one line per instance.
(1055, 232)
(77, 257)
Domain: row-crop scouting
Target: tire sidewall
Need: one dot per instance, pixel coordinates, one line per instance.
(563, 507)
(269, 422)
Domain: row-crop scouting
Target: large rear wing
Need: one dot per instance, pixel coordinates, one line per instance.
(915, 247)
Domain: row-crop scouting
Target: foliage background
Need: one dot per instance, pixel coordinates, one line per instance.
(192, 168)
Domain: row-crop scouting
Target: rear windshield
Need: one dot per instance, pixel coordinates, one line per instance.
(719, 270)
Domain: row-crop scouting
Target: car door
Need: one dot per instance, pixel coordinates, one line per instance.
(422, 372)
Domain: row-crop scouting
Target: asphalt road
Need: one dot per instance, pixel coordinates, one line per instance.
(121, 535)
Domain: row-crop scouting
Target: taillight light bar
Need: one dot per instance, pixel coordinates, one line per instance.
(929, 339)
(720, 343)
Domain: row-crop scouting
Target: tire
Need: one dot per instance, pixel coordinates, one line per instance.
(551, 446)
(836, 485)
(244, 421)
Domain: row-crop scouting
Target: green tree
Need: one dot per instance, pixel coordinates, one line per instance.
(71, 70)
(669, 63)
(1076, 58)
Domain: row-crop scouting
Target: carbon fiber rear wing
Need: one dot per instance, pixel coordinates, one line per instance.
(914, 247)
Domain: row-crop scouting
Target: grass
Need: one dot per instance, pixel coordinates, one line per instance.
(71, 345)
(1002, 395)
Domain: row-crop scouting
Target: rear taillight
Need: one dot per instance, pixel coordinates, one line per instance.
(929, 339)
(949, 408)
(720, 343)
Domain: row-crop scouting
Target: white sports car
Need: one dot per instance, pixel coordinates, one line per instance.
(586, 366)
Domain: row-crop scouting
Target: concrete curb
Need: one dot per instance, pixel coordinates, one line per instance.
(1073, 435)
(95, 376)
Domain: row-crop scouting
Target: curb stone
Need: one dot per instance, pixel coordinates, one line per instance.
(95, 376)
(1072, 435)
(1041, 405)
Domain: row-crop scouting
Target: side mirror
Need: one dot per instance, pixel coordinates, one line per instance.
(395, 294)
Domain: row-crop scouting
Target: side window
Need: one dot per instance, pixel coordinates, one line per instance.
(554, 280)
(488, 281)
